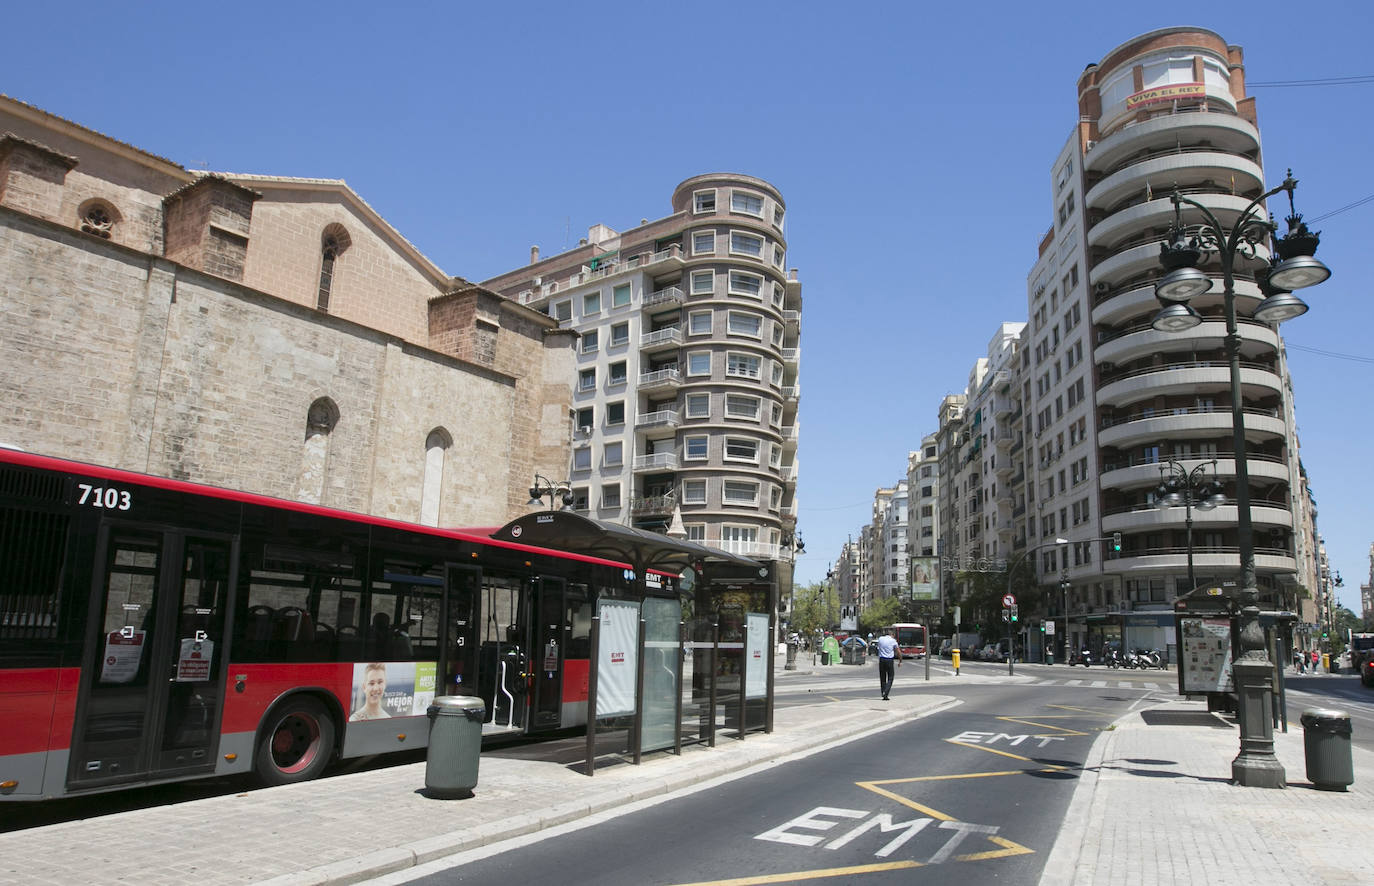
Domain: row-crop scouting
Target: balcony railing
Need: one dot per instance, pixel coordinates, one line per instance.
(671, 335)
(671, 377)
(651, 505)
(670, 295)
(663, 418)
(659, 461)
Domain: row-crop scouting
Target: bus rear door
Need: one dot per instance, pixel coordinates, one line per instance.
(152, 680)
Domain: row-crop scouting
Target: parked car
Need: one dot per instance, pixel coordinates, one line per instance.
(988, 653)
(945, 647)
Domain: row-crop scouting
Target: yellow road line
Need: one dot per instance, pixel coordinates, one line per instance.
(821, 874)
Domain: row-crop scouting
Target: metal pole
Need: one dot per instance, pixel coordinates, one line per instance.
(1255, 765)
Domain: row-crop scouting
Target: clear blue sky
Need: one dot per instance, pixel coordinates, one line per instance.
(912, 142)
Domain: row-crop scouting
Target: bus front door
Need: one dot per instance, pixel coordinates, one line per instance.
(459, 642)
(547, 653)
(152, 681)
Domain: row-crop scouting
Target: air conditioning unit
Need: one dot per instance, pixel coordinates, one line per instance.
(1102, 288)
(586, 430)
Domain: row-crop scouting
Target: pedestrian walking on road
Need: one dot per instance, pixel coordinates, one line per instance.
(887, 662)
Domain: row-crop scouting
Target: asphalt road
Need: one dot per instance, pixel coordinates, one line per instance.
(976, 792)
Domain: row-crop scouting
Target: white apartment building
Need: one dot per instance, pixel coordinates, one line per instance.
(1108, 401)
(685, 402)
(923, 490)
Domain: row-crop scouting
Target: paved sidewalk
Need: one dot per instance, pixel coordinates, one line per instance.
(1153, 806)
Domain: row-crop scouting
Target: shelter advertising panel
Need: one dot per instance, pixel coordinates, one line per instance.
(1205, 656)
(617, 658)
(756, 655)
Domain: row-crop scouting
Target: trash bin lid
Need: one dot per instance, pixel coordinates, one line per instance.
(1326, 720)
(457, 704)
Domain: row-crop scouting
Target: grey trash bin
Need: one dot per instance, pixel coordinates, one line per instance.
(455, 745)
(1326, 744)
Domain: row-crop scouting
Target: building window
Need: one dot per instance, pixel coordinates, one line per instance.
(778, 293)
(704, 201)
(704, 243)
(749, 204)
(699, 323)
(320, 420)
(615, 413)
(699, 363)
(431, 488)
(584, 420)
(695, 448)
(742, 365)
(777, 216)
(742, 283)
(620, 295)
(582, 458)
(613, 454)
(740, 406)
(698, 405)
(610, 495)
(561, 311)
(620, 334)
(746, 244)
(694, 492)
(745, 324)
(579, 498)
(333, 242)
(738, 492)
(618, 373)
(586, 379)
(98, 218)
(778, 255)
(703, 282)
(590, 342)
(742, 449)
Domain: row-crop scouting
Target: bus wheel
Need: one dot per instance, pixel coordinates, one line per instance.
(296, 744)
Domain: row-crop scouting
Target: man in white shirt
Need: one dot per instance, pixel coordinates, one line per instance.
(888, 660)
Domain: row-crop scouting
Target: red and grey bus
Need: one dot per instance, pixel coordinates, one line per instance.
(911, 639)
(154, 630)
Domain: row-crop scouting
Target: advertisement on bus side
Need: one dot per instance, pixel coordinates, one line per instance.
(383, 689)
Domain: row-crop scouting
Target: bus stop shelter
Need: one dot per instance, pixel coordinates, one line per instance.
(724, 613)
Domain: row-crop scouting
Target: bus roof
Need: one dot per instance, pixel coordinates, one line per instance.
(50, 463)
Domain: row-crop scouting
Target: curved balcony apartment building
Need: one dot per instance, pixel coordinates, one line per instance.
(1165, 110)
(687, 389)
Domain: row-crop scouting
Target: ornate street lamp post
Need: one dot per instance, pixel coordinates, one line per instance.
(1255, 765)
(1190, 489)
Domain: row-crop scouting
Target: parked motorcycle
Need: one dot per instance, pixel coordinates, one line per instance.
(1149, 658)
(1112, 659)
(1083, 657)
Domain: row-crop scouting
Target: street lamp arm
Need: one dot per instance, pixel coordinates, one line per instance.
(1247, 229)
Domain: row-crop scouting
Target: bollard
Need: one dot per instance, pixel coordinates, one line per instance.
(954, 657)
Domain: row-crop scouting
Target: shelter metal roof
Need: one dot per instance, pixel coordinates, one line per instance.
(573, 532)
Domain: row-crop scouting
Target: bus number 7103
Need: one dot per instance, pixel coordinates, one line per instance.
(104, 497)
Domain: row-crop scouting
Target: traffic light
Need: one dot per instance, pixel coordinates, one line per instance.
(1015, 613)
(1116, 542)
(1006, 615)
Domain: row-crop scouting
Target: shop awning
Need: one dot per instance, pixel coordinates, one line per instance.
(572, 532)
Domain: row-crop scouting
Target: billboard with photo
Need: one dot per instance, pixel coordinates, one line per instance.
(383, 689)
(925, 578)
